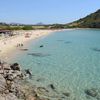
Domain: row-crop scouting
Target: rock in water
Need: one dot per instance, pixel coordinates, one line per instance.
(15, 66)
(29, 73)
(96, 49)
(41, 46)
(91, 92)
(52, 86)
(66, 94)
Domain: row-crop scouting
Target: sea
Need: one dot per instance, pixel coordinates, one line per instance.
(68, 59)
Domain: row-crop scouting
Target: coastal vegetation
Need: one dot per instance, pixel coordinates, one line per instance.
(90, 21)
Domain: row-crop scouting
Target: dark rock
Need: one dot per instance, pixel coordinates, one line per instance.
(41, 46)
(96, 49)
(91, 92)
(28, 72)
(52, 86)
(15, 66)
(66, 94)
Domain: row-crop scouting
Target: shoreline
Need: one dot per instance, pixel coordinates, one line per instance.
(10, 44)
(15, 85)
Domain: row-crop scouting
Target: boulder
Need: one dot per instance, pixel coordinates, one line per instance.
(27, 71)
(15, 66)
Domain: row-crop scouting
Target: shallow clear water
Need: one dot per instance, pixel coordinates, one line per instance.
(70, 60)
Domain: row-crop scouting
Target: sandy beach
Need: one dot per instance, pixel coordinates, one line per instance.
(10, 43)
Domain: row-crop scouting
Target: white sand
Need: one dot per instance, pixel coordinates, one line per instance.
(10, 43)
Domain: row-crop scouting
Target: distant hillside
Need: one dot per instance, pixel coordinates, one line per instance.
(90, 21)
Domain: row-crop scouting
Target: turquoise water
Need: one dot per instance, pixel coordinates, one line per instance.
(69, 59)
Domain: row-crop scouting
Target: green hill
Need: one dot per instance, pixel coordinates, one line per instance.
(90, 21)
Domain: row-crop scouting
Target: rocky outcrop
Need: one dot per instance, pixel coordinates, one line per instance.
(14, 85)
(11, 82)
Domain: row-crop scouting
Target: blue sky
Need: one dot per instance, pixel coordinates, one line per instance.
(46, 11)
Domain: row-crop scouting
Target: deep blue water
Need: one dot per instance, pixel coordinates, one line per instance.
(69, 59)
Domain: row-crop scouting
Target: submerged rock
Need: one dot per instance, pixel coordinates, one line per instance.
(29, 73)
(96, 49)
(92, 92)
(52, 86)
(66, 94)
(38, 54)
(41, 46)
(67, 42)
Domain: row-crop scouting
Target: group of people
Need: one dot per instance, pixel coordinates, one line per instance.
(19, 45)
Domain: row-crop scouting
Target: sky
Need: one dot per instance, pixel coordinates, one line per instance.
(46, 11)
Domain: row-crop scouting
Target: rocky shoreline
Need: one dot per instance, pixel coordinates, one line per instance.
(9, 81)
(14, 85)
